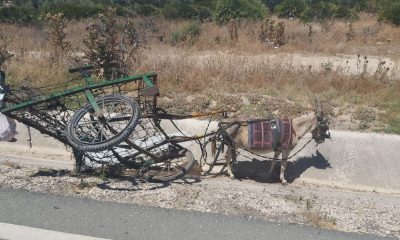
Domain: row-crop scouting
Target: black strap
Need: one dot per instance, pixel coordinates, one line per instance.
(275, 125)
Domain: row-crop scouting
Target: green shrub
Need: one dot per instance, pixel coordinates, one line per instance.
(391, 12)
(75, 10)
(345, 13)
(227, 10)
(290, 8)
(5, 53)
(18, 14)
(175, 9)
(272, 4)
(319, 11)
(111, 46)
(145, 10)
(188, 34)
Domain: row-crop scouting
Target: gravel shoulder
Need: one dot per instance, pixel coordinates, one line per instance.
(333, 204)
(319, 206)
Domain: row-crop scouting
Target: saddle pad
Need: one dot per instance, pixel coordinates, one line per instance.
(261, 135)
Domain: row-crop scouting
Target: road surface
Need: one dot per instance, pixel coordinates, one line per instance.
(24, 215)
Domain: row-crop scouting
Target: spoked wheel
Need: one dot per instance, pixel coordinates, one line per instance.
(90, 131)
(174, 167)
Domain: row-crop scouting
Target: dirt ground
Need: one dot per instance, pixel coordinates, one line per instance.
(299, 202)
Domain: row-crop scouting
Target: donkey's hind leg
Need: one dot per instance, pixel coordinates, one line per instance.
(276, 155)
(228, 159)
(285, 155)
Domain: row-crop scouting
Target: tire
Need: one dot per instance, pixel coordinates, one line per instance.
(91, 133)
(183, 165)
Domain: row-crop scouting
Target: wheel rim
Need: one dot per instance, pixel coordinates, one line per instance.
(115, 115)
(172, 168)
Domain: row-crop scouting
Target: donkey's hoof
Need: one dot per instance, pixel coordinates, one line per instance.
(284, 182)
(232, 177)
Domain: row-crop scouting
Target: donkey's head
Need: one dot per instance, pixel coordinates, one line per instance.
(321, 131)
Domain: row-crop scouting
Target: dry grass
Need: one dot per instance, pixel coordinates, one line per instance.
(321, 220)
(216, 65)
(11, 164)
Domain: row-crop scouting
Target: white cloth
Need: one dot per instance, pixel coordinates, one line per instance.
(1, 96)
(8, 128)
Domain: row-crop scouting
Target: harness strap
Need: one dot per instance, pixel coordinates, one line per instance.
(269, 158)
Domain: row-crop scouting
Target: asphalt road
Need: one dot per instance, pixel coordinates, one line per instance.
(125, 221)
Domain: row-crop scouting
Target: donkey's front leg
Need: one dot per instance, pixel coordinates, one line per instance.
(285, 155)
(276, 155)
(228, 159)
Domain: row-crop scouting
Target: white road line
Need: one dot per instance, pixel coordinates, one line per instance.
(16, 232)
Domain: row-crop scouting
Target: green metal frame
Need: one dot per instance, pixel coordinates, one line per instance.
(90, 85)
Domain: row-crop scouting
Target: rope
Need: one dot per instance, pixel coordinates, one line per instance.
(30, 137)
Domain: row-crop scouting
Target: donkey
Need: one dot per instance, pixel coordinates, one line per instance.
(238, 137)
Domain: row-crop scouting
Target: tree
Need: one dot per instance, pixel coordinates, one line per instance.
(228, 10)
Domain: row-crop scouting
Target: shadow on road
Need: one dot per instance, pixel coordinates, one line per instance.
(257, 170)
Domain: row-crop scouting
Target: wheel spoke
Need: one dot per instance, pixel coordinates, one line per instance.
(89, 131)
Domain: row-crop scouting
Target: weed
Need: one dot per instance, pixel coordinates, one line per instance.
(319, 219)
(109, 171)
(5, 53)
(111, 48)
(188, 34)
(103, 175)
(391, 103)
(263, 35)
(84, 185)
(382, 72)
(366, 116)
(350, 34)
(233, 29)
(362, 66)
(11, 164)
(280, 37)
(48, 172)
(310, 33)
(309, 204)
(56, 35)
(272, 33)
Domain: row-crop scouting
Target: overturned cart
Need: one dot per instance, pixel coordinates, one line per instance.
(115, 122)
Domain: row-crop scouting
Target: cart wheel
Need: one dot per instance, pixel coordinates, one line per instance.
(92, 132)
(171, 169)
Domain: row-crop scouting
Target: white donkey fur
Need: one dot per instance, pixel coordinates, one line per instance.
(301, 125)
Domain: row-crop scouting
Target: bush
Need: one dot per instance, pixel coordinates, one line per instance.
(112, 48)
(18, 14)
(291, 8)
(319, 11)
(345, 13)
(145, 10)
(4, 50)
(56, 34)
(175, 9)
(189, 34)
(391, 12)
(74, 10)
(271, 4)
(228, 10)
